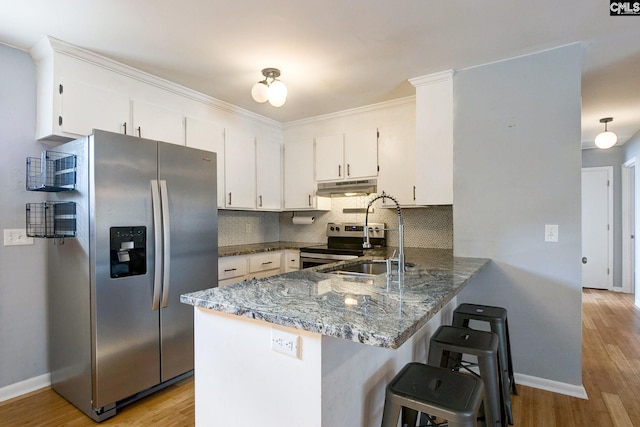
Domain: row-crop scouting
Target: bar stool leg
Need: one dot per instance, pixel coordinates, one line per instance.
(500, 329)
(512, 380)
(500, 326)
(490, 374)
(391, 412)
(492, 387)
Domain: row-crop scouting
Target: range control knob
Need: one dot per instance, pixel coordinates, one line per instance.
(331, 228)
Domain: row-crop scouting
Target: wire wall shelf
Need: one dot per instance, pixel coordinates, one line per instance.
(52, 172)
(51, 219)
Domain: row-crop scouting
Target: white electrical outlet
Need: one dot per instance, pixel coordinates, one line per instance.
(16, 237)
(285, 343)
(551, 233)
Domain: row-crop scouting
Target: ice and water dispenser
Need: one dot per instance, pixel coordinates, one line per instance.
(128, 251)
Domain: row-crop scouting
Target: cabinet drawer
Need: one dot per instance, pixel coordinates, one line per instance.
(266, 261)
(231, 267)
(292, 260)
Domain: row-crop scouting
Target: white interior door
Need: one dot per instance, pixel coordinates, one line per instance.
(596, 231)
(628, 226)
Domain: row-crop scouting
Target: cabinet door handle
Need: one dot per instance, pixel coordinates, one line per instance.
(414, 192)
(125, 128)
(267, 263)
(260, 202)
(227, 270)
(309, 199)
(229, 198)
(339, 170)
(139, 132)
(348, 169)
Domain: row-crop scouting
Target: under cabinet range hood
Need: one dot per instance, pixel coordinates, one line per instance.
(347, 188)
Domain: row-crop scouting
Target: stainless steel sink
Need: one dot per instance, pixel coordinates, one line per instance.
(363, 268)
(366, 268)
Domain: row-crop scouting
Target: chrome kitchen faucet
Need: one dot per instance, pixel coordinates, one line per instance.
(367, 244)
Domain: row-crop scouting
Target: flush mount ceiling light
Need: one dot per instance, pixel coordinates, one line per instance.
(606, 139)
(270, 89)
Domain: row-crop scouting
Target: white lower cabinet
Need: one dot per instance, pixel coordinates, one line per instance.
(234, 269)
(291, 260)
(231, 269)
(263, 263)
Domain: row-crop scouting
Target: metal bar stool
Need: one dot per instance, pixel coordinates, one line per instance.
(435, 391)
(496, 317)
(449, 343)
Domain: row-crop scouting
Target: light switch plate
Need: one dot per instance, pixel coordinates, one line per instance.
(17, 237)
(551, 233)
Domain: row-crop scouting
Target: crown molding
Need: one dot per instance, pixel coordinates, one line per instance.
(432, 78)
(358, 110)
(50, 44)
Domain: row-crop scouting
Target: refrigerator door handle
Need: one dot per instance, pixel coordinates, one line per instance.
(157, 233)
(166, 252)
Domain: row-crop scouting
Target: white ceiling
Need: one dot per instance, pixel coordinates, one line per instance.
(340, 54)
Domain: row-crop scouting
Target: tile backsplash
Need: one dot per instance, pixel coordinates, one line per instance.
(428, 227)
(246, 227)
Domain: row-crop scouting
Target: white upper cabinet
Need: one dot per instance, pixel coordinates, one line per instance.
(299, 184)
(208, 136)
(361, 153)
(239, 170)
(434, 139)
(268, 175)
(152, 121)
(84, 107)
(79, 90)
(351, 155)
(330, 158)
(397, 176)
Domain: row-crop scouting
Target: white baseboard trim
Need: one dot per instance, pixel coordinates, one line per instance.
(552, 386)
(24, 387)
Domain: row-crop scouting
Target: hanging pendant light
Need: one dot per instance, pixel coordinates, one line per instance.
(270, 89)
(606, 139)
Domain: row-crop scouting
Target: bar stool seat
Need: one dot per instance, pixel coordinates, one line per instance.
(449, 343)
(496, 317)
(436, 391)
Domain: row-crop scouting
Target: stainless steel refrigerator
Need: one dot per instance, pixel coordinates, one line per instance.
(146, 232)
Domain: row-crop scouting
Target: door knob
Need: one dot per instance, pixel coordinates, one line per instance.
(584, 259)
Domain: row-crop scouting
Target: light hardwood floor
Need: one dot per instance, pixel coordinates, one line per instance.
(611, 376)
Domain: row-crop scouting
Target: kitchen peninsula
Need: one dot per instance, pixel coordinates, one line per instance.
(352, 333)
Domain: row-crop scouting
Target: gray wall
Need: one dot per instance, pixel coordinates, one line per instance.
(23, 337)
(611, 157)
(517, 167)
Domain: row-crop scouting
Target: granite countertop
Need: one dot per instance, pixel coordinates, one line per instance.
(370, 310)
(254, 248)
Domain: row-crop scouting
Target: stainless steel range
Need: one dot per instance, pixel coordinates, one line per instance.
(344, 242)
